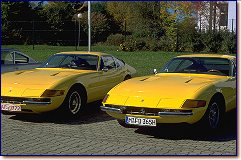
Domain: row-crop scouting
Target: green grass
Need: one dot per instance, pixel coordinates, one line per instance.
(143, 61)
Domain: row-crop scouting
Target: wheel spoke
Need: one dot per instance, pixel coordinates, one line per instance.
(214, 115)
(74, 102)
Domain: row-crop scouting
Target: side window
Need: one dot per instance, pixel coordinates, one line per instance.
(119, 63)
(6, 58)
(20, 58)
(107, 61)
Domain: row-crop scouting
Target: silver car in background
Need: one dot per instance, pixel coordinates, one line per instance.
(14, 60)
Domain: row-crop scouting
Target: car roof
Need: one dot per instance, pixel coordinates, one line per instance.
(8, 49)
(83, 52)
(208, 55)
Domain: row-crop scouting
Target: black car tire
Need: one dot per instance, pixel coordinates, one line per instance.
(127, 77)
(214, 116)
(74, 103)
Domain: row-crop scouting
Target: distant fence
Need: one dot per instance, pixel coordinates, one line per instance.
(40, 32)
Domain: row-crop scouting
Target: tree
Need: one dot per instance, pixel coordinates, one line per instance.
(12, 11)
(58, 16)
(56, 12)
(141, 17)
(173, 13)
(99, 7)
(100, 28)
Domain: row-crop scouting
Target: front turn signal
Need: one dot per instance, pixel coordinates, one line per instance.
(189, 103)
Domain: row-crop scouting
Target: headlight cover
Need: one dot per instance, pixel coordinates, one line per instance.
(52, 93)
(190, 103)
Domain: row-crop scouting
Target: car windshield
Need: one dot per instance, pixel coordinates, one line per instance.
(198, 65)
(72, 61)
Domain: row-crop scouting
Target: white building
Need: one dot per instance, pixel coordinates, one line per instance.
(232, 17)
(217, 15)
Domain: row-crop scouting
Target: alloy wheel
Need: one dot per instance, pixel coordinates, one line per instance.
(74, 102)
(214, 115)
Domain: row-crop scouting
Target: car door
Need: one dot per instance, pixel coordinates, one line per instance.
(232, 83)
(109, 72)
(229, 87)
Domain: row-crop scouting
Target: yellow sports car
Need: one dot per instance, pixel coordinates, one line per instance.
(66, 81)
(189, 89)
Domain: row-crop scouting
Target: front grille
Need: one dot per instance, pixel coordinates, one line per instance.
(142, 111)
(22, 100)
(145, 111)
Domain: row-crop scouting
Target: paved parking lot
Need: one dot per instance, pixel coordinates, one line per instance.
(96, 133)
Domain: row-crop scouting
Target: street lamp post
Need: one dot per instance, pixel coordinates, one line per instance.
(177, 39)
(89, 26)
(79, 17)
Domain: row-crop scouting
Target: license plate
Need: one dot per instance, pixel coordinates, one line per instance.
(10, 107)
(141, 121)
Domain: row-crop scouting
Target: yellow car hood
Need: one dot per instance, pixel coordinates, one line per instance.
(151, 90)
(34, 82)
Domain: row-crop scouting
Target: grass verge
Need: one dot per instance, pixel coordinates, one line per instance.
(143, 61)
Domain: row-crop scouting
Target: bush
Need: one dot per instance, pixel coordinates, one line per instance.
(133, 44)
(144, 44)
(114, 40)
(196, 43)
(212, 41)
(229, 42)
(167, 44)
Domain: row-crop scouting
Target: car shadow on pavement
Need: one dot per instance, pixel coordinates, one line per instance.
(91, 114)
(193, 132)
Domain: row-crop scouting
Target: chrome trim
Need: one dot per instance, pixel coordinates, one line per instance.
(33, 102)
(25, 101)
(109, 109)
(176, 114)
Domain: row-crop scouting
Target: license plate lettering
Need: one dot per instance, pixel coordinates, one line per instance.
(141, 121)
(10, 107)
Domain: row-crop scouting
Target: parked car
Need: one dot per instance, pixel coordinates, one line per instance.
(13, 60)
(189, 89)
(66, 81)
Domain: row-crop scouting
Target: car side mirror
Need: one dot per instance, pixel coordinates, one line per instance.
(105, 69)
(154, 71)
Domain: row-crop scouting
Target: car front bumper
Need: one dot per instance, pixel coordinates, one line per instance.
(161, 115)
(31, 105)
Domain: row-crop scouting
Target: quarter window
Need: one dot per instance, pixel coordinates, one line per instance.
(119, 63)
(107, 61)
(20, 58)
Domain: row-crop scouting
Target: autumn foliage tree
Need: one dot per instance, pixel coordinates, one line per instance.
(174, 13)
(100, 27)
(141, 17)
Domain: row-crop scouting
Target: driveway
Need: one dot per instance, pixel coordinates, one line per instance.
(96, 133)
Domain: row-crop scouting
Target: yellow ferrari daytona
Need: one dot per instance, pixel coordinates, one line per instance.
(189, 89)
(66, 82)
